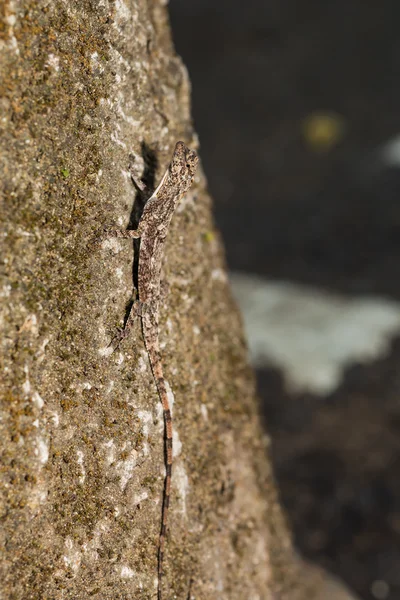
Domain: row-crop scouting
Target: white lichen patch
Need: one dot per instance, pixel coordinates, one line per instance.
(10, 17)
(126, 572)
(79, 459)
(37, 497)
(122, 12)
(181, 484)
(204, 411)
(115, 138)
(126, 175)
(110, 452)
(53, 62)
(42, 450)
(160, 417)
(119, 273)
(91, 547)
(73, 556)
(133, 122)
(146, 419)
(186, 299)
(176, 443)
(105, 351)
(5, 291)
(170, 395)
(96, 65)
(19, 230)
(124, 468)
(142, 363)
(37, 400)
(112, 244)
(139, 498)
(26, 386)
(145, 449)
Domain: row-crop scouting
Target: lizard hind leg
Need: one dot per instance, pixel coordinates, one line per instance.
(136, 310)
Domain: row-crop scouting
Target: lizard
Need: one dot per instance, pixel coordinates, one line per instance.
(152, 230)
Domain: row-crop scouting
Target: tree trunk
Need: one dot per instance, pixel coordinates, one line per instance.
(88, 89)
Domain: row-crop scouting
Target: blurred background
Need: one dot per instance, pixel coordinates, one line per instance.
(297, 105)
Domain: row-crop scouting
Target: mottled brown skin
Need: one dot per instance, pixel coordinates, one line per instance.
(152, 231)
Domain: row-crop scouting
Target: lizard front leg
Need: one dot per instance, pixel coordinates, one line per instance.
(123, 233)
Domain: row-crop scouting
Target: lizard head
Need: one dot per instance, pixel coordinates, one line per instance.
(183, 167)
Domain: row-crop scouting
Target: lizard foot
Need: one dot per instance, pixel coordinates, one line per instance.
(123, 332)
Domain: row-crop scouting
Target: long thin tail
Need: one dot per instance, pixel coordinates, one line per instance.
(167, 487)
(156, 366)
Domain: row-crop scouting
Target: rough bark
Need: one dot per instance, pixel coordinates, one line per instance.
(84, 85)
